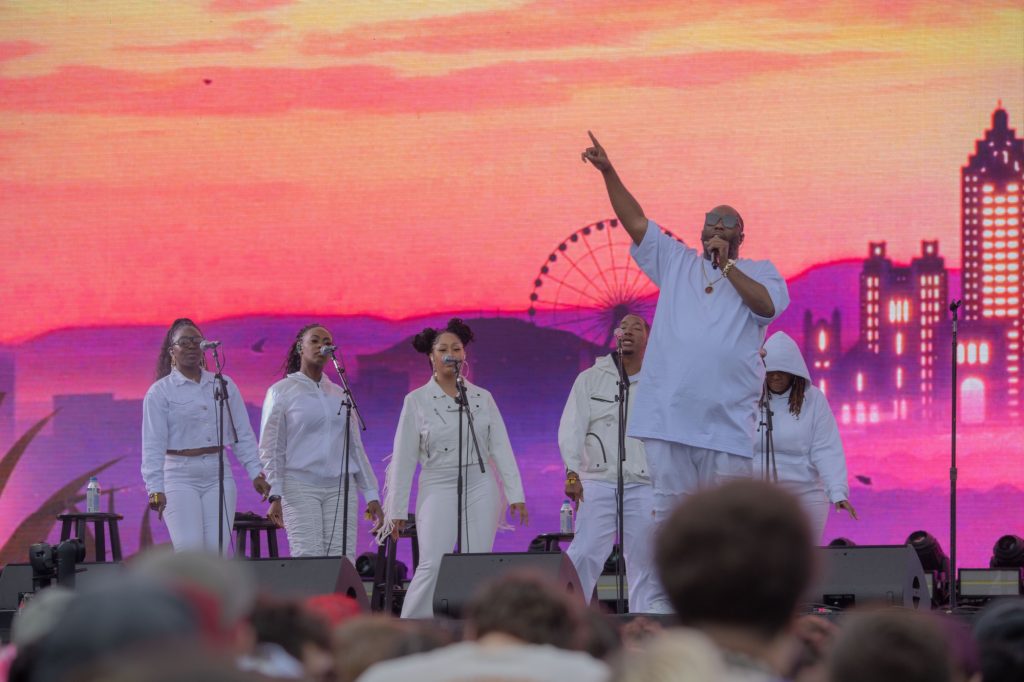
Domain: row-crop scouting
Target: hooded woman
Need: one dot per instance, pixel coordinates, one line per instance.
(809, 455)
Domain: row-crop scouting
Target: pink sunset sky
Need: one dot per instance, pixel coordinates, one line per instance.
(230, 157)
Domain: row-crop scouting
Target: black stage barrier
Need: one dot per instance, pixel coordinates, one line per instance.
(461, 574)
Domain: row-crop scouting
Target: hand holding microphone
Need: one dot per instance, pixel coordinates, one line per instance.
(717, 248)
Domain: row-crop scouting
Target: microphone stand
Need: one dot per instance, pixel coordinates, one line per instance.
(463, 402)
(767, 440)
(348, 402)
(620, 565)
(220, 395)
(953, 307)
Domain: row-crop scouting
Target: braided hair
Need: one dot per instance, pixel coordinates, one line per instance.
(293, 361)
(163, 360)
(796, 395)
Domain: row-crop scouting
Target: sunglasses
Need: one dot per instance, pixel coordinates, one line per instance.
(728, 221)
(183, 341)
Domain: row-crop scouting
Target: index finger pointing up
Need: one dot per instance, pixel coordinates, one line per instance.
(593, 139)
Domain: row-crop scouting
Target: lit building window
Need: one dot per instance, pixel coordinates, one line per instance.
(899, 343)
(822, 340)
(972, 353)
(983, 353)
(860, 382)
(899, 377)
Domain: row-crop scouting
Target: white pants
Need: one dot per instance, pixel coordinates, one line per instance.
(595, 535)
(679, 470)
(815, 504)
(436, 528)
(313, 518)
(192, 491)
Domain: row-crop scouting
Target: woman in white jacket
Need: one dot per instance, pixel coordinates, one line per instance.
(180, 455)
(809, 454)
(302, 447)
(427, 434)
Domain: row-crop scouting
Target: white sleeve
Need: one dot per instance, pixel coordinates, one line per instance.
(404, 457)
(775, 283)
(572, 429)
(827, 451)
(154, 439)
(656, 252)
(365, 478)
(500, 448)
(273, 438)
(245, 448)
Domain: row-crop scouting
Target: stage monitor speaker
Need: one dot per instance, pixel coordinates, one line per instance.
(309, 576)
(460, 575)
(16, 579)
(886, 574)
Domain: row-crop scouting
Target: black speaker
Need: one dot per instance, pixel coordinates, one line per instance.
(309, 576)
(461, 574)
(16, 579)
(886, 574)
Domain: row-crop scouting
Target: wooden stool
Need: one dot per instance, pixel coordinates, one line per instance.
(384, 578)
(79, 519)
(253, 524)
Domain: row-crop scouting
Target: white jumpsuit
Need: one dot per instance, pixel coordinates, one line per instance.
(428, 435)
(588, 439)
(180, 414)
(809, 454)
(302, 447)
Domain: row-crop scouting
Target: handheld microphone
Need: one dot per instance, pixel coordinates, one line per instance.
(327, 350)
(714, 260)
(208, 345)
(449, 360)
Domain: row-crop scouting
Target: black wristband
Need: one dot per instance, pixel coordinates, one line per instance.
(274, 498)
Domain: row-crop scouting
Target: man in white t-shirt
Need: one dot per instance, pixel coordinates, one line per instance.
(702, 374)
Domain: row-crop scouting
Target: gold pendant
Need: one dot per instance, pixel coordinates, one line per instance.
(708, 289)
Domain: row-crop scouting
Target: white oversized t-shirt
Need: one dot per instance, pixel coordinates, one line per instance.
(702, 374)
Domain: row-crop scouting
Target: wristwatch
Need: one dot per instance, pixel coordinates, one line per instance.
(274, 498)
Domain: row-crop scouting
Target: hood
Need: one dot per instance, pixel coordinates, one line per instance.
(783, 355)
(606, 363)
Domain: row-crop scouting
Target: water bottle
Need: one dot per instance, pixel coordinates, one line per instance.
(565, 518)
(92, 496)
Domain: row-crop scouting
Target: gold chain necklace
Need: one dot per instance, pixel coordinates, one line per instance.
(710, 288)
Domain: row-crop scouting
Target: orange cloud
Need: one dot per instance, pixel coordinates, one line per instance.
(256, 91)
(257, 27)
(13, 49)
(195, 47)
(246, 5)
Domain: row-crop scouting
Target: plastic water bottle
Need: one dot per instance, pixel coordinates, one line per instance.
(565, 518)
(92, 496)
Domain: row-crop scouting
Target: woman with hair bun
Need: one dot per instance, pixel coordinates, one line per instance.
(180, 455)
(302, 447)
(428, 435)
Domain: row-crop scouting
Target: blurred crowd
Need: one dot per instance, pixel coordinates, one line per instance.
(735, 561)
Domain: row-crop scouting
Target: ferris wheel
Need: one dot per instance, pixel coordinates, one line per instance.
(589, 282)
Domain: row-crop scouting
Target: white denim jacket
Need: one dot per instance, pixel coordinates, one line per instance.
(588, 434)
(428, 435)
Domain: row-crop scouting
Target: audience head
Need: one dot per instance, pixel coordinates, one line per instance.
(999, 633)
(367, 640)
(676, 655)
(223, 591)
(737, 556)
(303, 635)
(40, 615)
(528, 607)
(894, 645)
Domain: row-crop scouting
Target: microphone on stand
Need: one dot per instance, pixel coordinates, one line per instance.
(618, 334)
(955, 304)
(208, 345)
(449, 360)
(328, 350)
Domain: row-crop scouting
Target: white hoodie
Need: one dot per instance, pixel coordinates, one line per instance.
(588, 434)
(808, 450)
